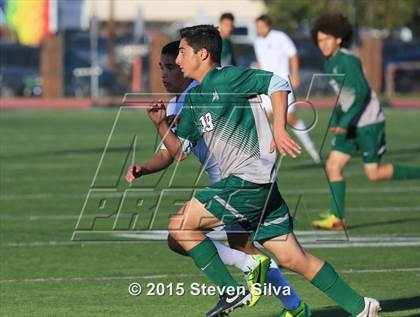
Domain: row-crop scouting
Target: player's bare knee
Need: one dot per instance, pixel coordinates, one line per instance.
(333, 169)
(175, 227)
(373, 176)
(178, 234)
(330, 166)
(288, 263)
(287, 260)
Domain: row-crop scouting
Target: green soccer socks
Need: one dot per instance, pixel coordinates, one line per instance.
(206, 258)
(405, 172)
(328, 281)
(338, 192)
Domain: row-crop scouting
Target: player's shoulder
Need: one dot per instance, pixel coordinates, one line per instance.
(258, 41)
(192, 89)
(225, 74)
(171, 108)
(350, 60)
(221, 73)
(343, 61)
(225, 70)
(278, 34)
(189, 96)
(347, 55)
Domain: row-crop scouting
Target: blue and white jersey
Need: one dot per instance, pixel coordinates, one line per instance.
(200, 150)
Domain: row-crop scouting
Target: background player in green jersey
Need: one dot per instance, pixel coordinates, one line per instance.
(226, 26)
(220, 112)
(358, 121)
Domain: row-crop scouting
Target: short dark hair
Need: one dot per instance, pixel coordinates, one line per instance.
(204, 36)
(227, 16)
(264, 18)
(171, 49)
(336, 25)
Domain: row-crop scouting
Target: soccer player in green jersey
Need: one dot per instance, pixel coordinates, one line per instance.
(220, 112)
(358, 121)
(226, 26)
(242, 254)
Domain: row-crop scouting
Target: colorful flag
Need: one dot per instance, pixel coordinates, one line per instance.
(31, 20)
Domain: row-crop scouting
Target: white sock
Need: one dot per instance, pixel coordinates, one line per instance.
(273, 265)
(303, 135)
(234, 257)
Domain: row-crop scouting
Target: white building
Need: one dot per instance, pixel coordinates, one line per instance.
(168, 16)
(188, 11)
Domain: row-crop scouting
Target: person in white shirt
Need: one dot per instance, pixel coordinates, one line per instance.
(277, 53)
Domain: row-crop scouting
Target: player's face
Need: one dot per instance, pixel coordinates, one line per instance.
(171, 74)
(328, 44)
(262, 28)
(225, 28)
(188, 61)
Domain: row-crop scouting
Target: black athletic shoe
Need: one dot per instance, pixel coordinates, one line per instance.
(227, 303)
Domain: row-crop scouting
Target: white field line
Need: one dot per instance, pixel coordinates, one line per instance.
(322, 191)
(41, 217)
(315, 241)
(86, 177)
(351, 210)
(311, 238)
(100, 193)
(362, 245)
(174, 276)
(47, 180)
(16, 165)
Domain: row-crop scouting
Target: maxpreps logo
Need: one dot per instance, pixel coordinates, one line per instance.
(115, 210)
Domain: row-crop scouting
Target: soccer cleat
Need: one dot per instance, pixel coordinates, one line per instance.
(255, 278)
(324, 214)
(227, 303)
(302, 311)
(372, 308)
(329, 222)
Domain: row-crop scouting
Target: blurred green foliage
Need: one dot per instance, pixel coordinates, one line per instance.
(379, 14)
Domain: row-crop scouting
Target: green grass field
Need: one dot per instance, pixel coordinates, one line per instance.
(49, 162)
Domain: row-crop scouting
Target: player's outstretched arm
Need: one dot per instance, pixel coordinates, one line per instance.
(294, 68)
(281, 138)
(157, 113)
(158, 162)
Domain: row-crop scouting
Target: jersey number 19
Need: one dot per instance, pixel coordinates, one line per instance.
(207, 122)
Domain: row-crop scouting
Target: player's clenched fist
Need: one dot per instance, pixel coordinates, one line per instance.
(157, 112)
(133, 172)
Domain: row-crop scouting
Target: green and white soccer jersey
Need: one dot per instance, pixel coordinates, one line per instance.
(237, 133)
(235, 128)
(227, 57)
(358, 110)
(358, 105)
